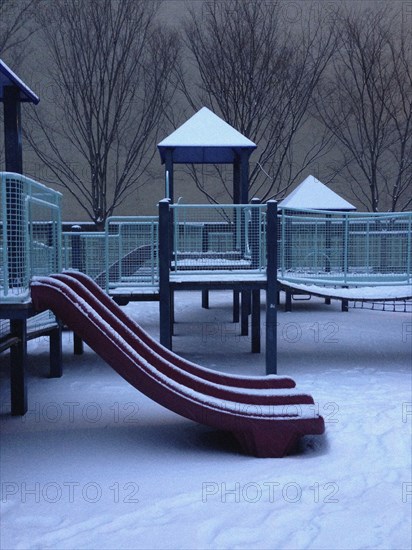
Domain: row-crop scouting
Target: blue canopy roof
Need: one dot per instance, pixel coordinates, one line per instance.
(9, 78)
(205, 139)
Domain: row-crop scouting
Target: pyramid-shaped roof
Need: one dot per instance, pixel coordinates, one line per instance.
(205, 138)
(313, 194)
(9, 78)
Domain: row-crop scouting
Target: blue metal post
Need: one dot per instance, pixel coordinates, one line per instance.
(236, 182)
(12, 130)
(244, 176)
(164, 274)
(271, 288)
(255, 234)
(18, 364)
(14, 163)
(169, 174)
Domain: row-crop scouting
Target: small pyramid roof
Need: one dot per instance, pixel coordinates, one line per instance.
(9, 78)
(205, 138)
(313, 194)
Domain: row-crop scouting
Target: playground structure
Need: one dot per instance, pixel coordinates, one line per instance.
(325, 249)
(232, 247)
(265, 414)
(209, 247)
(243, 247)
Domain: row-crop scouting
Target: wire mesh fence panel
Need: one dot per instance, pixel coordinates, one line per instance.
(39, 322)
(131, 252)
(94, 246)
(344, 248)
(4, 329)
(43, 239)
(30, 236)
(218, 237)
(67, 250)
(84, 251)
(30, 242)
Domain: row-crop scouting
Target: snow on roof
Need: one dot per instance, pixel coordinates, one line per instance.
(312, 193)
(9, 78)
(205, 137)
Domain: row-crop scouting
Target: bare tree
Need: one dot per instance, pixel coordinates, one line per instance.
(368, 108)
(260, 77)
(16, 26)
(399, 184)
(111, 69)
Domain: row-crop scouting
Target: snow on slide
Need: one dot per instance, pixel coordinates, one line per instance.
(267, 415)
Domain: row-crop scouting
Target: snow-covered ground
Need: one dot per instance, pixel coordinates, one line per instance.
(95, 464)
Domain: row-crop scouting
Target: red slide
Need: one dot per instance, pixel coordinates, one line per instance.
(266, 414)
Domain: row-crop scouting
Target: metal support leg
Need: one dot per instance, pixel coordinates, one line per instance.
(56, 357)
(165, 298)
(78, 347)
(288, 301)
(205, 299)
(172, 316)
(271, 289)
(245, 310)
(236, 309)
(255, 321)
(18, 363)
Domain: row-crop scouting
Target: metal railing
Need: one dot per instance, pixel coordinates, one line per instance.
(345, 248)
(326, 248)
(124, 255)
(30, 234)
(131, 258)
(218, 238)
(84, 251)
